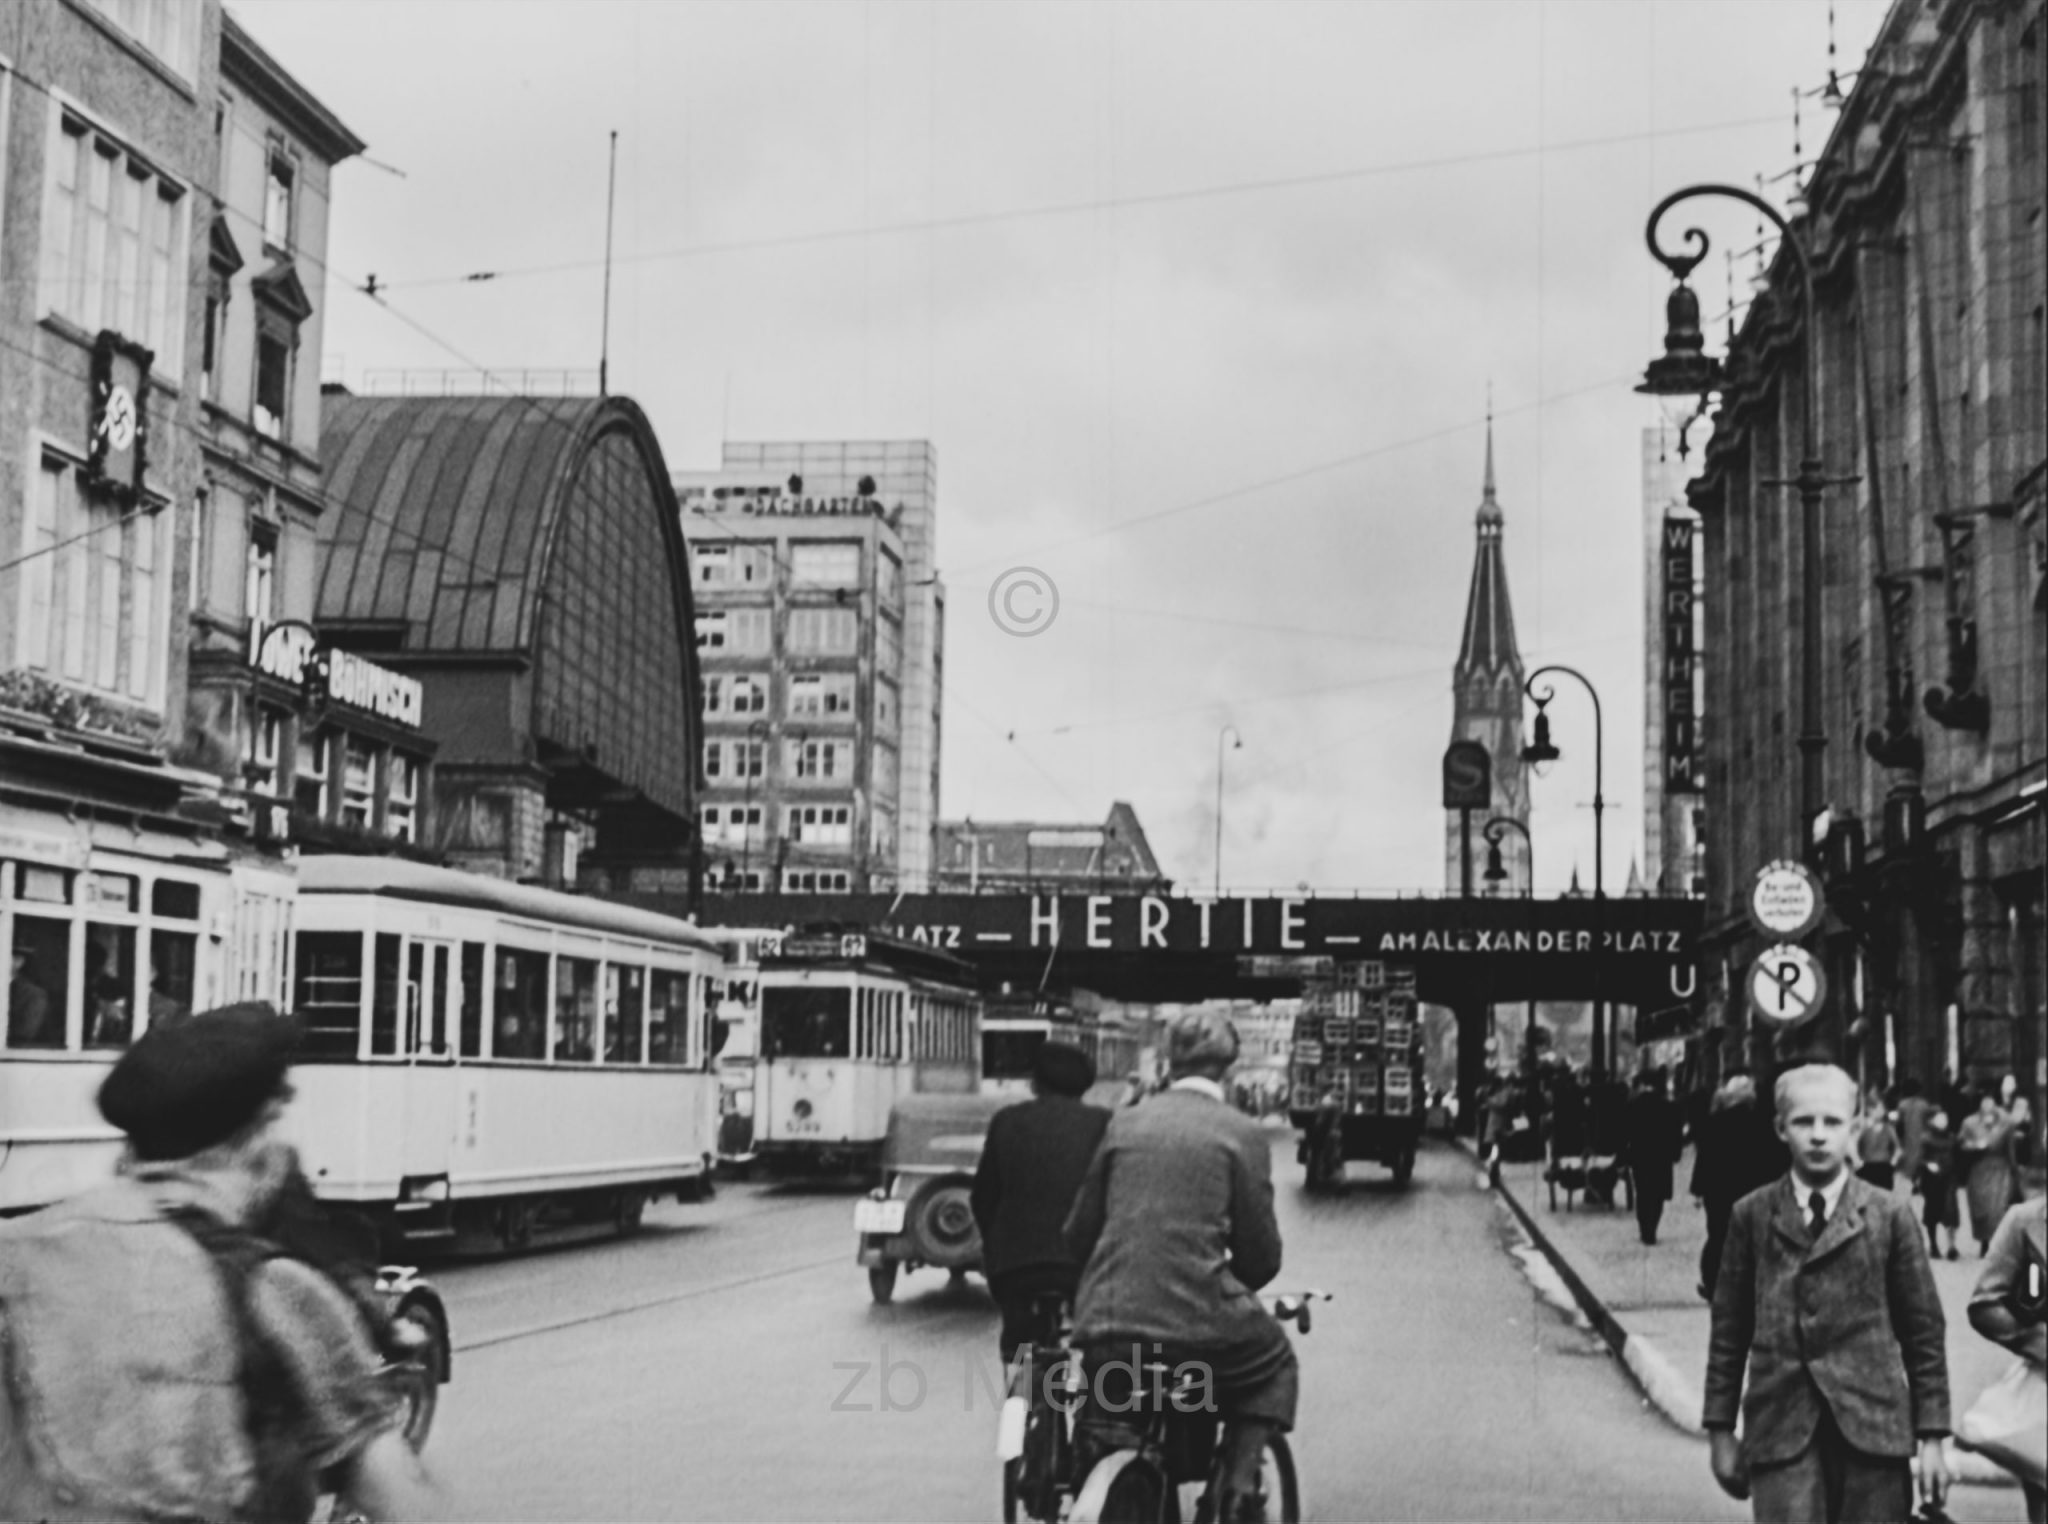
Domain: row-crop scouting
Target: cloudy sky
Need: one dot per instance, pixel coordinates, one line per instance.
(1199, 302)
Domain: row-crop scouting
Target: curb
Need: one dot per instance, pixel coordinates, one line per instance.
(1652, 1371)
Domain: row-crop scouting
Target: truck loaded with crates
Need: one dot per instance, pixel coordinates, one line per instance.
(1357, 1071)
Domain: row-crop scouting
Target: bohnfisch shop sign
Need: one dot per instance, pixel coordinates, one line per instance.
(294, 653)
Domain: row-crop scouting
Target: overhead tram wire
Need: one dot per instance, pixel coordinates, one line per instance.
(1083, 207)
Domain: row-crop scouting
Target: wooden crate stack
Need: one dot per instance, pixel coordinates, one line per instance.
(1357, 1043)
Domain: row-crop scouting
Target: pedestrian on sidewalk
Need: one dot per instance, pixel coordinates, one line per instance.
(1913, 1111)
(1737, 1151)
(1877, 1143)
(1826, 1298)
(2008, 1308)
(1938, 1183)
(1984, 1151)
(1653, 1139)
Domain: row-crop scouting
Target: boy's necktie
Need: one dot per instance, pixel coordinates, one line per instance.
(1817, 1210)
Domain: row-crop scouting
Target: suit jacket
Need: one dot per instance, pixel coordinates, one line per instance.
(1174, 1225)
(1031, 1166)
(1850, 1318)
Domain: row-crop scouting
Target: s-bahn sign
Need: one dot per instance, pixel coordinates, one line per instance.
(1638, 951)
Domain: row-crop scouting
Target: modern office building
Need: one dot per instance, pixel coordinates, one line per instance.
(1008, 856)
(820, 624)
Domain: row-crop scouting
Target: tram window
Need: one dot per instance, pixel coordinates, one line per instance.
(575, 1009)
(471, 1033)
(1010, 1055)
(174, 899)
(172, 957)
(38, 982)
(328, 992)
(384, 997)
(668, 1025)
(625, 1013)
(804, 1021)
(109, 985)
(522, 1006)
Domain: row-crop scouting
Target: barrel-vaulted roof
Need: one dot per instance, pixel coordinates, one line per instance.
(536, 528)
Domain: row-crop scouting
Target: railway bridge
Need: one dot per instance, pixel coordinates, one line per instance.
(1468, 954)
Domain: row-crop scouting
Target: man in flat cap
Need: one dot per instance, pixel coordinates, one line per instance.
(159, 1361)
(1031, 1166)
(1174, 1225)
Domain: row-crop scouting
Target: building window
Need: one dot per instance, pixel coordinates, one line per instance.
(309, 775)
(882, 772)
(277, 201)
(888, 578)
(402, 797)
(358, 782)
(822, 696)
(273, 381)
(821, 760)
(732, 879)
(714, 759)
(260, 578)
(732, 822)
(833, 564)
(821, 825)
(94, 607)
(714, 565)
(816, 881)
(112, 244)
(168, 28)
(888, 646)
(824, 632)
(263, 751)
(749, 695)
(885, 705)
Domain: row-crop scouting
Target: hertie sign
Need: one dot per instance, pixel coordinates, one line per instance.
(1785, 901)
(1787, 985)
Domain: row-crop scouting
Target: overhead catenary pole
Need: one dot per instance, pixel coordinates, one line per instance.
(604, 352)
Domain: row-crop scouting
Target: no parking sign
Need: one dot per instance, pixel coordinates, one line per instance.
(1787, 985)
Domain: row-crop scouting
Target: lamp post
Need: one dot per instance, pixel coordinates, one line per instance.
(747, 811)
(1539, 751)
(1496, 870)
(1683, 370)
(1237, 744)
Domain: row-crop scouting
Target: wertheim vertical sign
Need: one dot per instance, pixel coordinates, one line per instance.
(1681, 718)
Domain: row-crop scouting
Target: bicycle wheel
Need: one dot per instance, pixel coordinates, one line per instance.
(1012, 1470)
(1278, 1489)
(1141, 1494)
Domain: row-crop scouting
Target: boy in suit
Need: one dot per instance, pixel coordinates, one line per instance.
(1826, 1296)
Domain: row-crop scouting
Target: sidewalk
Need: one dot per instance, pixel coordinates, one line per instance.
(1644, 1301)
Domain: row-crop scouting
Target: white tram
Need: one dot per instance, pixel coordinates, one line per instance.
(851, 1022)
(481, 1056)
(1014, 1027)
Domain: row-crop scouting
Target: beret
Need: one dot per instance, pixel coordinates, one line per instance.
(1198, 1039)
(190, 1083)
(1062, 1068)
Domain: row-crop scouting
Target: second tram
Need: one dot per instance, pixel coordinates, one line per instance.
(482, 1057)
(851, 1022)
(1015, 1026)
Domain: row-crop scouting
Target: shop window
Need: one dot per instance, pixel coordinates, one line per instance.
(358, 782)
(521, 1029)
(309, 777)
(575, 1009)
(668, 1017)
(327, 992)
(401, 801)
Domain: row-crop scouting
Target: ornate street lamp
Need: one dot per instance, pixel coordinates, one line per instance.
(1496, 869)
(1685, 370)
(1540, 753)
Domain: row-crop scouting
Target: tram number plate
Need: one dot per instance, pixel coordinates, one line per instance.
(878, 1216)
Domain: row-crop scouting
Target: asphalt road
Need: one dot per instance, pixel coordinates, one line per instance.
(728, 1364)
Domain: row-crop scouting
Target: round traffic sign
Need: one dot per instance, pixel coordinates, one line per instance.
(1787, 985)
(1786, 900)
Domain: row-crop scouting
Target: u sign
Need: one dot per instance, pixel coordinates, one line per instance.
(1787, 985)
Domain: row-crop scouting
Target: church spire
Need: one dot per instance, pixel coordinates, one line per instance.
(1489, 642)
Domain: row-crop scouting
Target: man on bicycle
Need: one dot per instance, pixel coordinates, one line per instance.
(1031, 1166)
(1174, 1227)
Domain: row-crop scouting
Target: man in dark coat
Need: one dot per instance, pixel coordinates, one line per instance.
(1175, 1226)
(1737, 1151)
(1651, 1142)
(1031, 1166)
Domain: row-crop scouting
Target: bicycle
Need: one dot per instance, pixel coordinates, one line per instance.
(1135, 1475)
